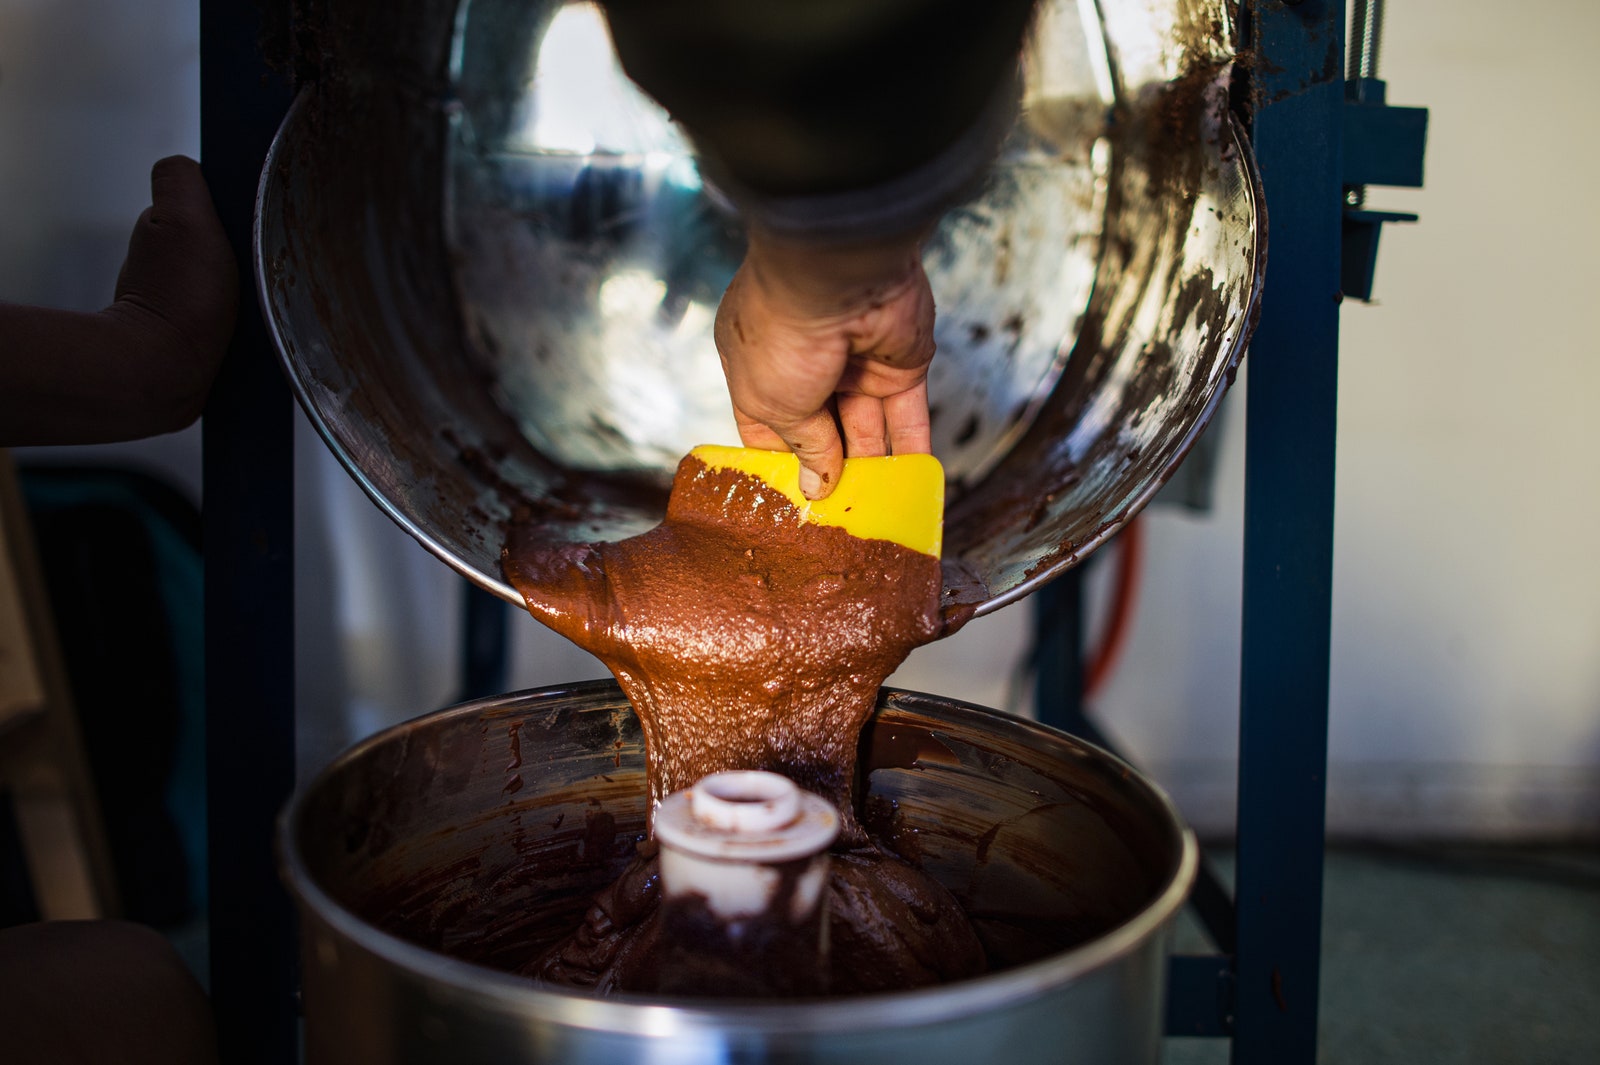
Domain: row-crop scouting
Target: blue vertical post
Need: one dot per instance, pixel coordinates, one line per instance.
(249, 573)
(1058, 655)
(1288, 540)
(485, 632)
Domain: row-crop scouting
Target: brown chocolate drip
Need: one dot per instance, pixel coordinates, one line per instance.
(743, 637)
(746, 638)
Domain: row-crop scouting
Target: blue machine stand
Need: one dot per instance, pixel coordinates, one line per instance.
(248, 530)
(1320, 139)
(1313, 145)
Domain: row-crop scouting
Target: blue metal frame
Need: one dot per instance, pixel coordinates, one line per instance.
(1262, 989)
(485, 638)
(249, 577)
(1291, 410)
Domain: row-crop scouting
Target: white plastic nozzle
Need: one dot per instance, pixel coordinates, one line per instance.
(745, 802)
(724, 837)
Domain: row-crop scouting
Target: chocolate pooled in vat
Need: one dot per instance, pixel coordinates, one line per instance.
(746, 638)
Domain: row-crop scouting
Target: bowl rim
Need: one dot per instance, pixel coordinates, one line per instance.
(267, 188)
(667, 1017)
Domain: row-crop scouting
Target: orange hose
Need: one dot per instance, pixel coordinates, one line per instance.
(1119, 622)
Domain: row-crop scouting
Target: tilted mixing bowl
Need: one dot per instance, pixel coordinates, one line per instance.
(490, 267)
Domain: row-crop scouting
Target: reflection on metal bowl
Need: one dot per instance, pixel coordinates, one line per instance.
(490, 267)
(433, 857)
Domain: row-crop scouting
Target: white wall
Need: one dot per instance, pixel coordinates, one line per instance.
(1466, 630)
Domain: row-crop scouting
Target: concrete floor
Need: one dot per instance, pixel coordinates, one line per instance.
(1445, 955)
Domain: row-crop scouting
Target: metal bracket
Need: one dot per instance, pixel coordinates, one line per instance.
(1358, 259)
(1200, 995)
(1383, 145)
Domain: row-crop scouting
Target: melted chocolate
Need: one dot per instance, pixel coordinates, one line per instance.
(743, 637)
(746, 638)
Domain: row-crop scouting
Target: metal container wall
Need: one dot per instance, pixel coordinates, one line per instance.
(501, 814)
(491, 279)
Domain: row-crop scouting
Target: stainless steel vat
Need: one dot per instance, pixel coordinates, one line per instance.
(483, 308)
(496, 814)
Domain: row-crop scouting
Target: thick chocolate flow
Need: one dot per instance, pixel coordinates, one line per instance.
(748, 639)
(743, 637)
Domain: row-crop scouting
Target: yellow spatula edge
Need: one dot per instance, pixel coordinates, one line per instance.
(899, 498)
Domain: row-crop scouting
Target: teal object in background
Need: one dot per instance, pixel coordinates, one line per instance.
(89, 521)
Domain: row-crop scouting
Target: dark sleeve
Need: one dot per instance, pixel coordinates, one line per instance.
(832, 117)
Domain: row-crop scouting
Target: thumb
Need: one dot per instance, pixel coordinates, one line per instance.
(178, 193)
(180, 267)
(815, 441)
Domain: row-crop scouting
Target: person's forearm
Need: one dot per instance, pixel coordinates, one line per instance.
(829, 278)
(144, 364)
(70, 377)
(798, 108)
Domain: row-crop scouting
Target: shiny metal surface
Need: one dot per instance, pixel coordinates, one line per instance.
(491, 268)
(419, 839)
(587, 186)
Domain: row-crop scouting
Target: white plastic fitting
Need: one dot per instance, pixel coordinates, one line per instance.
(724, 837)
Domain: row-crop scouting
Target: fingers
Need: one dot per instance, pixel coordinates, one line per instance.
(894, 425)
(905, 415)
(862, 418)
(792, 368)
(753, 433)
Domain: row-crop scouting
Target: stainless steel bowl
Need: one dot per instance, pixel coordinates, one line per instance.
(491, 273)
(455, 835)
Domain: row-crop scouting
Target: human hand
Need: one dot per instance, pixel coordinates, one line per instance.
(145, 364)
(177, 292)
(809, 334)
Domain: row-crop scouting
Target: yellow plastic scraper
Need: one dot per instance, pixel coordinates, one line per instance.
(899, 498)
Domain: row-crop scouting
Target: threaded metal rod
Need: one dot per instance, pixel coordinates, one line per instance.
(1361, 61)
(1366, 39)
